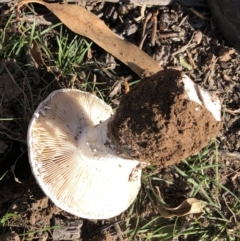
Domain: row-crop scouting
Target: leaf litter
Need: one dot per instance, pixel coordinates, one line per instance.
(84, 23)
(141, 72)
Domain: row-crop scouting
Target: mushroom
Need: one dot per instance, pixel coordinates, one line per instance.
(89, 161)
(72, 159)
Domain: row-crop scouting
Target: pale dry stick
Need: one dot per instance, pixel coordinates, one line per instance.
(13, 167)
(169, 35)
(178, 67)
(231, 211)
(118, 231)
(185, 47)
(160, 195)
(198, 14)
(183, 20)
(143, 39)
(143, 8)
(192, 62)
(206, 76)
(234, 154)
(145, 23)
(211, 69)
(145, 32)
(85, 23)
(3, 175)
(37, 20)
(154, 29)
(233, 112)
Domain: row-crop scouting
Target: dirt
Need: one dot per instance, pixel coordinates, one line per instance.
(155, 123)
(10, 237)
(8, 88)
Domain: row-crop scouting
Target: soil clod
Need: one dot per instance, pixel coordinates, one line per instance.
(156, 123)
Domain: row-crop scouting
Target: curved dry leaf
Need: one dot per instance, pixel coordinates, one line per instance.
(37, 55)
(188, 206)
(85, 23)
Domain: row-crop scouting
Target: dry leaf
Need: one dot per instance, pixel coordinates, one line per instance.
(189, 206)
(37, 55)
(225, 54)
(85, 23)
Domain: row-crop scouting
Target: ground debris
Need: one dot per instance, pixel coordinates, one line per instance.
(3, 146)
(68, 230)
(11, 236)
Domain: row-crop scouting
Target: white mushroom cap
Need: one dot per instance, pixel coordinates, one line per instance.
(71, 158)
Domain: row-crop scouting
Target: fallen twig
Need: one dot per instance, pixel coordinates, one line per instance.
(233, 112)
(234, 154)
(198, 14)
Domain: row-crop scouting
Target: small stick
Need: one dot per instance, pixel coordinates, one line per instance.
(233, 112)
(191, 59)
(198, 14)
(183, 20)
(145, 24)
(169, 35)
(143, 8)
(185, 47)
(154, 29)
(234, 154)
(233, 215)
(142, 41)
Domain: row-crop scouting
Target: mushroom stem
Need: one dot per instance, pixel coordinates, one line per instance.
(94, 141)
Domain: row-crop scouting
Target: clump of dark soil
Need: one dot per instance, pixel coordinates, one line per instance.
(156, 123)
